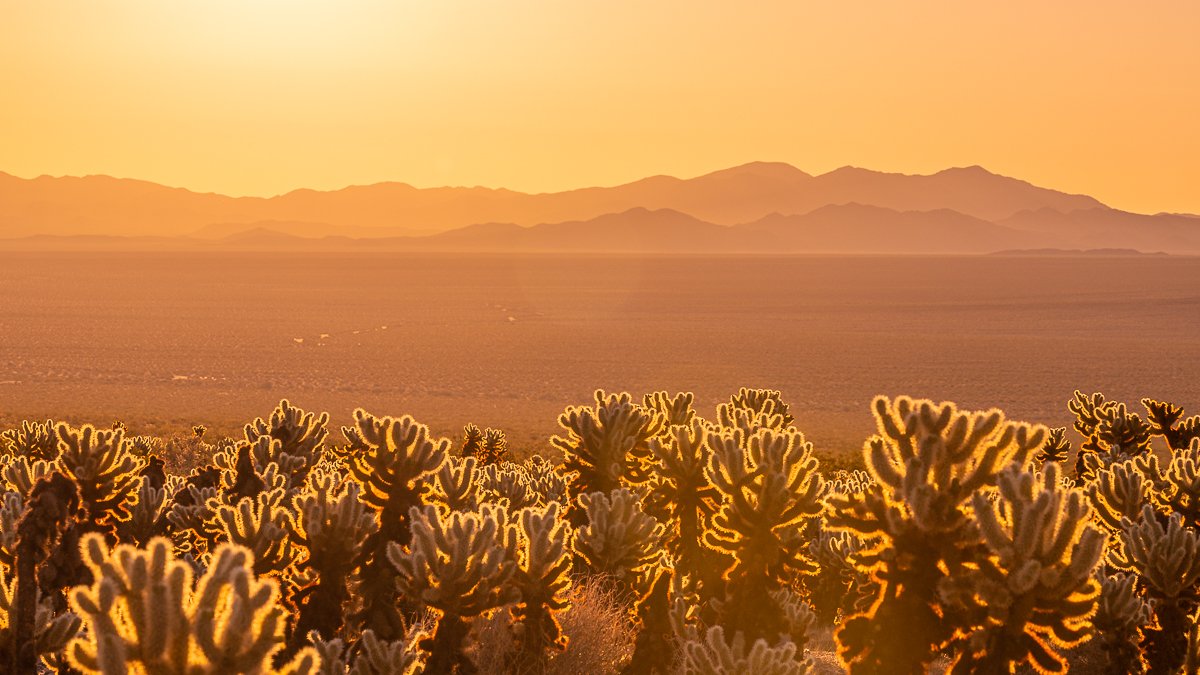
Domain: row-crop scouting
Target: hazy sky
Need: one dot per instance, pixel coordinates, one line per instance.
(262, 96)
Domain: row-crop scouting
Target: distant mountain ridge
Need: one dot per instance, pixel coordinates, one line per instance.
(756, 207)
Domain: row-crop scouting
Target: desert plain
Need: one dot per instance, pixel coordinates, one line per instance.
(165, 340)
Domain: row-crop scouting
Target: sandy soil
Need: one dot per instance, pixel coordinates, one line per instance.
(163, 341)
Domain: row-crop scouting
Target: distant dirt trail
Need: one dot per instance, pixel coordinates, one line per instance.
(163, 341)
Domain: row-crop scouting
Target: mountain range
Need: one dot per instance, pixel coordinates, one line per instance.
(755, 208)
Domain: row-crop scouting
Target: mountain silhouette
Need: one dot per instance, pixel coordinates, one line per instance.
(758, 207)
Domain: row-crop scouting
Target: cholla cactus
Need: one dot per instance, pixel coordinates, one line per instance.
(33, 440)
(927, 462)
(1110, 429)
(620, 540)
(712, 654)
(1033, 595)
(332, 521)
(799, 616)
(147, 515)
(765, 407)
(550, 485)
(20, 472)
(1167, 420)
(1055, 448)
(606, 446)
(52, 506)
(509, 484)
(394, 460)
(262, 525)
(1119, 492)
(543, 581)
(675, 410)
(300, 435)
(1183, 483)
(375, 656)
(487, 447)
(1167, 559)
(685, 497)
(1121, 614)
(495, 447)
(472, 441)
(189, 514)
(105, 470)
(457, 483)
(458, 565)
(141, 612)
(51, 631)
(840, 586)
(12, 505)
(769, 489)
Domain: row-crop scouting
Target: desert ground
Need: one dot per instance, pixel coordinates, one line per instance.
(165, 340)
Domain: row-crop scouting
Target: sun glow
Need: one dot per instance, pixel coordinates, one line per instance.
(264, 96)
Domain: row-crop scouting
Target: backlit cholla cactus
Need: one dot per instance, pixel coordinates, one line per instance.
(263, 525)
(141, 613)
(33, 440)
(711, 653)
(300, 434)
(1032, 596)
(762, 408)
(1120, 490)
(458, 565)
(840, 586)
(241, 476)
(458, 485)
(20, 472)
(769, 490)
(39, 561)
(472, 441)
(190, 513)
(374, 656)
(495, 447)
(550, 485)
(395, 461)
(928, 461)
(1055, 448)
(1112, 433)
(1167, 561)
(543, 582)
(105, 470)
(147, 514)
(607, 446)
(1183, 483)
(488, 447)
(51, 631)
(684, 498)
(620, 540)
(675, 410)
(11, 507)
(1121, 615)
(1167, 420)
(509, 484)
(332, 521)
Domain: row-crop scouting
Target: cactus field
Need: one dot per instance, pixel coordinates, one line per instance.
(970, 542)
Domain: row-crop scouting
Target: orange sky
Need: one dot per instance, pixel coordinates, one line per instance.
(261, 96)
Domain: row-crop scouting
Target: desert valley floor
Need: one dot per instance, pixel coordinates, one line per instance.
(166, 340)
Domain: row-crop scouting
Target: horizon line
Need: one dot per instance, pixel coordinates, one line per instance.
(531, 193)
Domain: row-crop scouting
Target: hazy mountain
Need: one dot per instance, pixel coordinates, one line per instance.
(858, 228)
(1110, 228)
(103, 205)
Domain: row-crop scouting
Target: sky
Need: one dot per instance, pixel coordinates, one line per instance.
(258, 97)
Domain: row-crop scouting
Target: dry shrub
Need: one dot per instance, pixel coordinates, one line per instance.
(597, 627)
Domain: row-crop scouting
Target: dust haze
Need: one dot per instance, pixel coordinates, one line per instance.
(165, 340)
